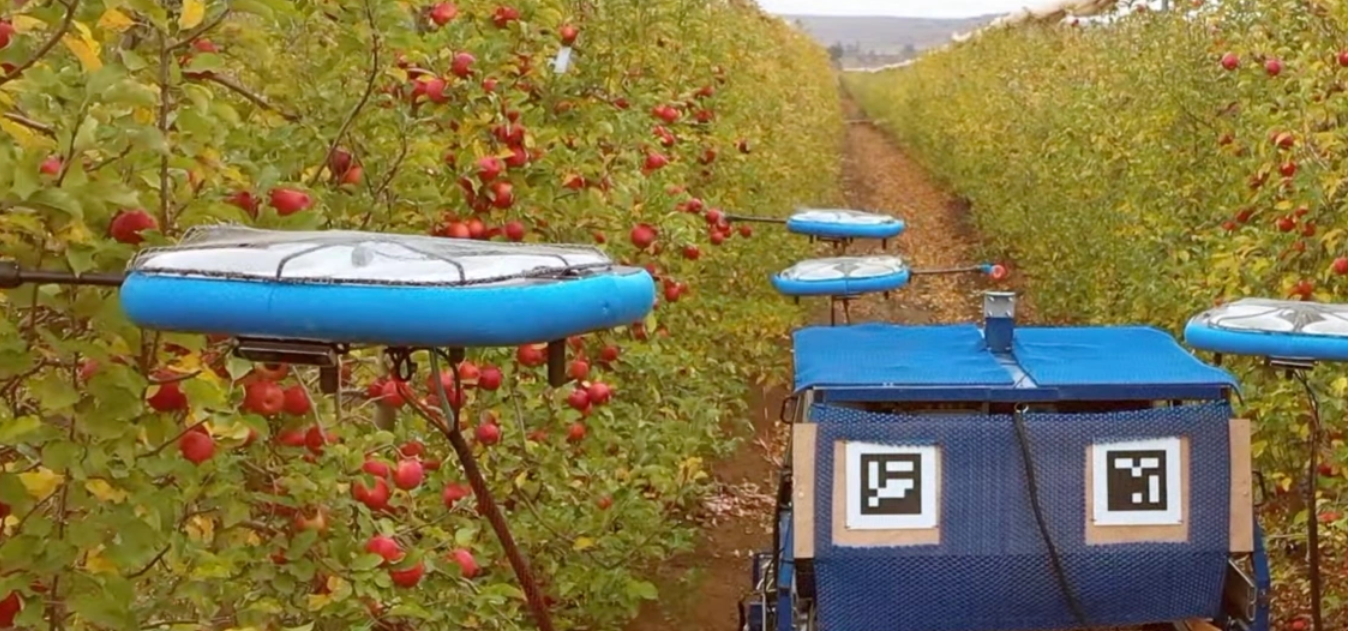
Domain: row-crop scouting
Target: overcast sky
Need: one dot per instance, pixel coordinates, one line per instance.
(904, 8)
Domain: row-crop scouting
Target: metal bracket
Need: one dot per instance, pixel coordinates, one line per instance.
(301, 353)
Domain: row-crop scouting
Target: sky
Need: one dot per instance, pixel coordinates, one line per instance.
(902, 8)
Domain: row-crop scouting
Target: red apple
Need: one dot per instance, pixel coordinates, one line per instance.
(126, 226)
(490, 379)
(1340, 265)
(462, 65)
(244, 200)
(488, 433)
(408, 577)
(464, 559)
(375, 497)
(197, 447)
(579, 399)
(609, 354)
(568, 33)
(655, 161)
(11, 605)
(514, 231)
(386, 547)
(442, 12)
(489, 168)
(297, 401)
(1230, 61)
(503, 16)
(408, 474)
(502, 194)
(288, 201)
(168, 398)
(643, 235)
(1273, 67)
(50, 166)
(531, 355)
(1288, 169)
(7, 32)
(691, 252)
(390, 394)
(375, 468)
(455, 492)
(264, 397)
(600, 393)
(575, 433)
(578, 369)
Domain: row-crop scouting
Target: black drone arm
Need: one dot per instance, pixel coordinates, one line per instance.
(13, 276)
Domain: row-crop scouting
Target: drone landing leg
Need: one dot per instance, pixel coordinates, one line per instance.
(537, 606)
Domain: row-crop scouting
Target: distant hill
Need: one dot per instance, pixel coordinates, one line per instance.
(879, 40)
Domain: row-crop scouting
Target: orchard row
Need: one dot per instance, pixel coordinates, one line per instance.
(239, 497)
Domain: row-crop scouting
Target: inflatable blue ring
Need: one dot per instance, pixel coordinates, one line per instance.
(1272, 328)
(844, 224)
(536, 304)
(842, 276)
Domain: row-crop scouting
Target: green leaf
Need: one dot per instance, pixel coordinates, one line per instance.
(132, 61)
(87, 134)
(366, 562)
(13, 431)
(59, 199)
(101, 608)
(131, 93)
(256, 7)
(55, 392)
(26, 181)
(150, 140)
(642, 589)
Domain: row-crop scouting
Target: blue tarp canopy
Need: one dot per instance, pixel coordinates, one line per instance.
(950, 362)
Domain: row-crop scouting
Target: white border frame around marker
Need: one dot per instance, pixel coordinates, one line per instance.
(1171, 516)
(857, 521)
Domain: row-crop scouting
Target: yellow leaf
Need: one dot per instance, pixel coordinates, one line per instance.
(96, 563)
(104, 491)
(144, 115)
(521, 478)
(200, 528)
(25, 137)
(77, 233)
(42, 482)
(193, 12)
(582, 543)
(86, 50)
(114, 20)
(24, 23)
(319, 601)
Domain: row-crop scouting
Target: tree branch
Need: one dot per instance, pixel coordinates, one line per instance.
(36, 126)
(163, 124)
(200, 30)
(46, 47)
(370, 81)
(255, 98)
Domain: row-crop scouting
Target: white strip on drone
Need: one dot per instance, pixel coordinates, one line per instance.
(845, 267)
(842, 216)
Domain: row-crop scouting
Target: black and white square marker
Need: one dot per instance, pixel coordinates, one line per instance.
(1136, 483)
(891, 487)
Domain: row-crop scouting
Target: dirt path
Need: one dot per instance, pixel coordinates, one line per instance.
(701, 591)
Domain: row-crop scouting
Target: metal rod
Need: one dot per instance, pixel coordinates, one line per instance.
(13, 276)
(946, 270)
(729, 217)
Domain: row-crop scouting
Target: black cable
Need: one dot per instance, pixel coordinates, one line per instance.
(1312, 505)
(1055, 560)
